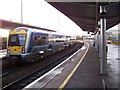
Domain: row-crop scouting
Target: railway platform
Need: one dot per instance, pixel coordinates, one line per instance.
(80, 71)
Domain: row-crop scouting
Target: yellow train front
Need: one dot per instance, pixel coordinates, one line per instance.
(17, 45)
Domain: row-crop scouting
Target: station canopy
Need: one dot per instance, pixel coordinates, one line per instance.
(87, 14)
(10, 25)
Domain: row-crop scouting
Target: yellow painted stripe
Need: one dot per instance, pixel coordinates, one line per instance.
(73, 71)
(18, 32)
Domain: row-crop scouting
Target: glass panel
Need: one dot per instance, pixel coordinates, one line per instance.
(13, 40)
(17, 40)
(22, 39)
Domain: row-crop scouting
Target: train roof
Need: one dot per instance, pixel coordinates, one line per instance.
(40, 31)
(32, 29)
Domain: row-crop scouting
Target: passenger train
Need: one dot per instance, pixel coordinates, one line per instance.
(28, 44)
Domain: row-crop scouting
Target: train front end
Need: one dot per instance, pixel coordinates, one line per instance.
(17, 41)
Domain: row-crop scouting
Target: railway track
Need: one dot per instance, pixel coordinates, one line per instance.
(42, 67)
(6, 73)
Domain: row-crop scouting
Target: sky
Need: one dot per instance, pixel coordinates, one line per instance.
(116, 27)
(38, 13)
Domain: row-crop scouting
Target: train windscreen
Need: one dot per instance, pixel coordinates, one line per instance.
(17, 40)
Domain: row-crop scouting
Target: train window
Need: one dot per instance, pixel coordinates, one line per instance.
(35, 41)
(22, 39)
(13, 40)
(51, 39)
(17, 40)
(35, 38)
(42, 40)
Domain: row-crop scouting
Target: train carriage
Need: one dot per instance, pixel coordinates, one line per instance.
(27, 44)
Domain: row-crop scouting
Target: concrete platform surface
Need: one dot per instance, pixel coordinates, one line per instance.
(80, 71)
(88, 73)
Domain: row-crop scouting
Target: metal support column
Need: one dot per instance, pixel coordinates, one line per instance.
(103, 61)
(96, 40)
(99, 43)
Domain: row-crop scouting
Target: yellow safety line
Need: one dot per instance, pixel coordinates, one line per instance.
(73, 71)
